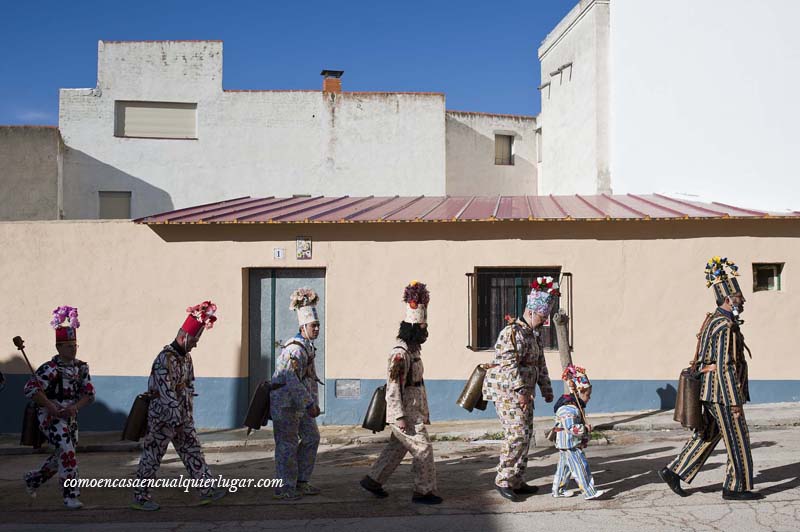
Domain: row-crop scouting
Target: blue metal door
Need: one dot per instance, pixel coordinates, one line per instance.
(271, 322)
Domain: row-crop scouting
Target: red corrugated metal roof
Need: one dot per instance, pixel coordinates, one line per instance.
(346, 209)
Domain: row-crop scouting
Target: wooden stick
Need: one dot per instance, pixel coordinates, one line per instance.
(583, 414)
(20, 343)
(580, 409)
(561, 319)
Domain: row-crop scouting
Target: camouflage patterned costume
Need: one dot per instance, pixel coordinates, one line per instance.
(518, 366)
(406, 398)
(64, 383)
(295, 431)
(170, 418)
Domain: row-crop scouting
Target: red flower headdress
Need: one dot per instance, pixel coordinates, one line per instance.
(204, 313)
(546, 284)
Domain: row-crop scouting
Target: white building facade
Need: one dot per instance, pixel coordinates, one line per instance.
(574, 92)
(679, 97)
(636, 97)
(159, 132)
(491, 153)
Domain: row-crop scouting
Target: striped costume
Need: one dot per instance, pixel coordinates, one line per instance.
(722, 344)
(572, 436)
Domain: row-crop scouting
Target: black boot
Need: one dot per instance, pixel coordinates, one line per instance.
(673, 481)
(428, 498)
(508, 493)
(526, 489)
(373, 487)
(729, 495)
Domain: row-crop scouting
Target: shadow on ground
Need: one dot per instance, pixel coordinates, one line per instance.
(465, 479)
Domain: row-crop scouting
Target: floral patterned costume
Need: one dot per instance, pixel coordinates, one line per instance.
(294, 391)
(64, 383)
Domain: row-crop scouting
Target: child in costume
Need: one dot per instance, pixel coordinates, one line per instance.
(573, 435)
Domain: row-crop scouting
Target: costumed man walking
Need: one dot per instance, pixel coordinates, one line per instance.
(723, 392)
(170, 415)
(407, 405)
(294, 402)
(510, 382)
(60, 388)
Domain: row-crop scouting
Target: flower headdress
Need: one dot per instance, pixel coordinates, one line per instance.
(415, 294)
(546, 284)
(64, 313)
(304, 302)
(204, 313)
(303, 297)
(576, 378)
(715, 270)
(544, 291)
(416, 297)
(721, 273)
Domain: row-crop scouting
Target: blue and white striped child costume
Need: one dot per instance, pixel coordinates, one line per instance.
(571, 436)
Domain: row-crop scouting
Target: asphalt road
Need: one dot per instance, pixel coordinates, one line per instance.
(639, 500)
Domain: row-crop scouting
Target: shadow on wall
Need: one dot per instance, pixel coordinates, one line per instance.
(668, 395)
(85, 177)
(467, 172)
(12, 400)
(221, 402)
(97, 416)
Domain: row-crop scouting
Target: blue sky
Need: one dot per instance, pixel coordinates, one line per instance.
(481, 54)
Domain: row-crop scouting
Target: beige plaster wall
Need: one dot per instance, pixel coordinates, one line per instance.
(639, 293)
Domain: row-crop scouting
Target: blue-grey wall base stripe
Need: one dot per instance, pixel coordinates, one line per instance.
(222, 402)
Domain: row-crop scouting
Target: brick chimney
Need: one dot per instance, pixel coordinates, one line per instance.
(332, 80)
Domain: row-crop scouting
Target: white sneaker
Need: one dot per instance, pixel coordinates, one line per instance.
(563, 494)
(597, 495)
(31, 490)
(72, 503)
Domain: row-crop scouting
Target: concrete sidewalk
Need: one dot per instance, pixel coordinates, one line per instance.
(759, 417)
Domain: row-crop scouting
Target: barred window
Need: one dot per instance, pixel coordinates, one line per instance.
(496, 292)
